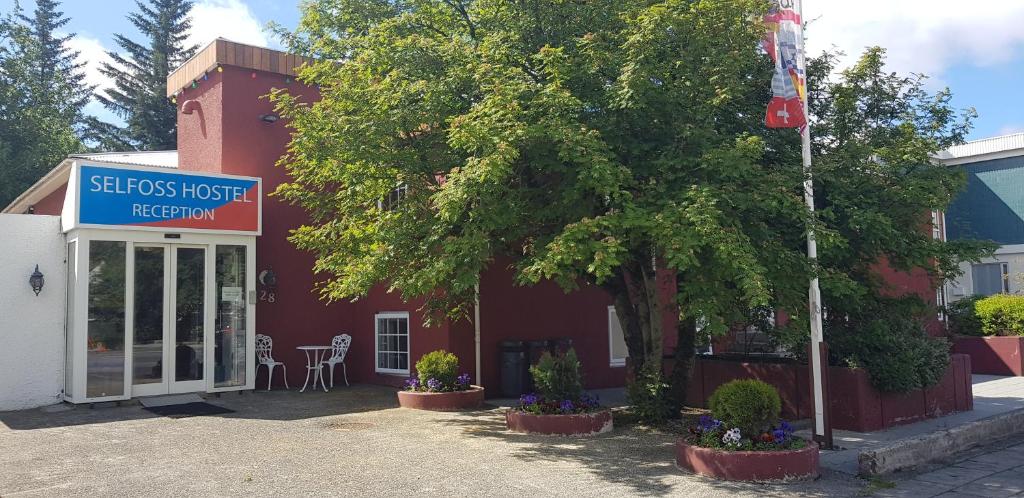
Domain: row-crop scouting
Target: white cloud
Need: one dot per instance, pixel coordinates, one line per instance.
(230, 19)
(922, 36)
(1011, 129)
(92, 53)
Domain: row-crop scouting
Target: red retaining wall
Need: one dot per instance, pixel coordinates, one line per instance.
(856, 405)
(993, 355)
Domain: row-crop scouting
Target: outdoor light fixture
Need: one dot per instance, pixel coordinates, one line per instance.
(36, 281)
(269, 118)
(268, 278)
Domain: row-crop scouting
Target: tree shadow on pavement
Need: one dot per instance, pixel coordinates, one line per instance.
(639, 457)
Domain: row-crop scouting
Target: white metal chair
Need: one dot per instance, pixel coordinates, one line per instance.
(339, 347)
(264, 354)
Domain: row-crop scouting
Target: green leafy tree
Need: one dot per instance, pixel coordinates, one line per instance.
(140, 74)
(41, 97)
(604, 143)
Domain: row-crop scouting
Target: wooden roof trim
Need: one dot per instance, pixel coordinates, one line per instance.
(228, 53)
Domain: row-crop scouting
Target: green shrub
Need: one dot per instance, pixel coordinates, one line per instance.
(558, 377)
(1001, 314)
(889, 341)
(648, 395)
(439, 365)
(962, 318)
(750, 405)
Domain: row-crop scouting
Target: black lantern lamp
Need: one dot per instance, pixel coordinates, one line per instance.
(36, 281)
(268, 278)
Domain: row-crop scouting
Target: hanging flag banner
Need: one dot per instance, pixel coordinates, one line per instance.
(784, 44)
(170, 200)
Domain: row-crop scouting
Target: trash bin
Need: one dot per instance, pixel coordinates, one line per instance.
(514, 368)
(560, 345)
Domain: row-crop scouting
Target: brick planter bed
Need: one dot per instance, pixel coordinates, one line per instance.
(582, 424)
(993, 355)
(469, 399)
(856, 404)
(761, 466)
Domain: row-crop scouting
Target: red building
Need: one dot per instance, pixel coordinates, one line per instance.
(227, 127)
(227, 130)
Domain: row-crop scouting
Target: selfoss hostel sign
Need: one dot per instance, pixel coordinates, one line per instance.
(171, 200)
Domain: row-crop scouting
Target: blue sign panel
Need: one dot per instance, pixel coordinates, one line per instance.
(136, 197)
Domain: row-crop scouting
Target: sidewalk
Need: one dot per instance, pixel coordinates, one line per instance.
(996, 470)
(993, 395)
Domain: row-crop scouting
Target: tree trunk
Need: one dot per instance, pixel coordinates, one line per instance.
(682, 368)
(634, 290)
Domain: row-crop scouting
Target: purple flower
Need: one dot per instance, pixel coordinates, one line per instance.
(589, 401)
(780, 436)
(566, 406)
(785, 427)
(462, 380)
(707, 424)
(412, 383)
(528, 399)
(433, 384)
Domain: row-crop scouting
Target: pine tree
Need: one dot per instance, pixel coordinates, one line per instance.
(41, 97)
(140, 74)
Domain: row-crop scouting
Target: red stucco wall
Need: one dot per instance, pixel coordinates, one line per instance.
(53, 203)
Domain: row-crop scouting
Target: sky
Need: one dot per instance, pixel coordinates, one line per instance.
(974, 48)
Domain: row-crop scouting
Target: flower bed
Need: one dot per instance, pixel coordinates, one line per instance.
(762, 466)
(747, 441)
(469, 399)
(562, 408)
(993, 355)
(575, 424)
(437, 387)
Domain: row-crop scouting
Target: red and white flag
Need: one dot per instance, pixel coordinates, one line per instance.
(784, 43)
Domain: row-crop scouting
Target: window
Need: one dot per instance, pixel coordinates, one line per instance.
(990, 278)
(616, 340)
(394, 198)
(392, 331)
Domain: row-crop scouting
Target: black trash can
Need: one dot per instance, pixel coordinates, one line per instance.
(514, 368)
(560, 345)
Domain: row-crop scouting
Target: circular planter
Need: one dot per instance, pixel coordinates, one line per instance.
(578, 424)
(443, 402)
(761, 466)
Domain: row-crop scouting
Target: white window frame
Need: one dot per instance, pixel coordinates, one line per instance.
(376, 342)
(394, 198)
(612, 360)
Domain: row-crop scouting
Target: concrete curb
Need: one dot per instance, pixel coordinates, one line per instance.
(908, 453)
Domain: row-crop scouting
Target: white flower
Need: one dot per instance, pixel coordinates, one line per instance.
(732, 437)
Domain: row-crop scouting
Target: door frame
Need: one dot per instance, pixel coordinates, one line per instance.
(78, 326)
(155, 388)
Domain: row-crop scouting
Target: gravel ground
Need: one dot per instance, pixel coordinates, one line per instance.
(349, 442)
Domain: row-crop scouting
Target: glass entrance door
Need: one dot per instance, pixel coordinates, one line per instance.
(168, 319)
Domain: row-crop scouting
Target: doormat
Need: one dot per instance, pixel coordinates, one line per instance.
(188, 410)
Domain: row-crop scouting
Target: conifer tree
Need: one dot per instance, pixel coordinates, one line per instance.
(139, 73)
(42, 94)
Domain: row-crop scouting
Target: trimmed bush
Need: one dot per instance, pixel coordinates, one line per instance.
(1001, 314)
(963, 320)
(558, 377)
(441, 366)
(750, 405)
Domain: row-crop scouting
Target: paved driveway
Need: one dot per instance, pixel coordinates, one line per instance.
(349, 442)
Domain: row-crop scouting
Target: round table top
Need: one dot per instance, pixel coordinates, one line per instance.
(312, 347)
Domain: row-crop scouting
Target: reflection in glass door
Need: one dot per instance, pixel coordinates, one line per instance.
(189, 315)
(169, 318)
(150, 318)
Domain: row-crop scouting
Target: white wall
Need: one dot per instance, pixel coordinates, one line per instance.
(31, 327)
(1012, 255)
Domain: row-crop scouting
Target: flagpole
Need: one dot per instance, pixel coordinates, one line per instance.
(822, 426)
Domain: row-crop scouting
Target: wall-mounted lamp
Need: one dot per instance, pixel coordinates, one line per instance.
(268, 278)
(36, 281)
(190, 106)
(269, 118)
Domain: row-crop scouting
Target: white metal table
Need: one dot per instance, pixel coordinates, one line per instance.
(314, 355)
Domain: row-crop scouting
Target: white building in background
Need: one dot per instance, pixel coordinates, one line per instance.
(991, 208)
